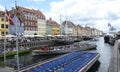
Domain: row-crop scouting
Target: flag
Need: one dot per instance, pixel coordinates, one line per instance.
(18, 15)
(16, 20)
(8, 18)
(6, 15)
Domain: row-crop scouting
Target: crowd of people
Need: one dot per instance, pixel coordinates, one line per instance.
(10, 43)
(9, 49)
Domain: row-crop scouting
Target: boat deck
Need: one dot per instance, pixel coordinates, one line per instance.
(73, 62)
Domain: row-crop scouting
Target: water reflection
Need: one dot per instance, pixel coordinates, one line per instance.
(105, 51)
(95, 67)
(25, 60)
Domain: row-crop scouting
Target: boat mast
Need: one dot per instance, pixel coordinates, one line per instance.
(60, 25)
(66, 24)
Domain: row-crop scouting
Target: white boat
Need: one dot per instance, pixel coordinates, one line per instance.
(63, 49)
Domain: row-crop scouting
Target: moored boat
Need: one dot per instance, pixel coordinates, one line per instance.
(71, 62)
(63, 49)
(63, 42)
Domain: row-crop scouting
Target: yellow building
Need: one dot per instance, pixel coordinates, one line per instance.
(55, 27)
(4, 26)
(74, 29)
(79, 30)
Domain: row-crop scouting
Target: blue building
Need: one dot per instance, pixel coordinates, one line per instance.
(17, 28)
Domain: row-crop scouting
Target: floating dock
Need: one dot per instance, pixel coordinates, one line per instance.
(72, 62)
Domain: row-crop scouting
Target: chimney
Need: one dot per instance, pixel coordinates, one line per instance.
(13, 10)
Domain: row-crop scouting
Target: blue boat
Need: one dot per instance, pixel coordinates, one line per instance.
(72, 62)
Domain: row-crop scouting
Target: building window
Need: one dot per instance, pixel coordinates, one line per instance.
(6, 26)
(6, 33)
(2, 33)
(28, 23)
(25, 22)
(29, 28)
(2, 19)
(2, 25)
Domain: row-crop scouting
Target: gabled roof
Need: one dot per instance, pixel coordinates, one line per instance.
(79, 26)
(52, 22)
(39, 13)
(69, 23)
(2, 13)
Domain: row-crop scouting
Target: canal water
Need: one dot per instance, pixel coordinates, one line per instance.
(101, 65)
(105, 51)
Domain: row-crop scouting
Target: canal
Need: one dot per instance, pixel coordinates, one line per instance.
(101, 65)
(105, 51)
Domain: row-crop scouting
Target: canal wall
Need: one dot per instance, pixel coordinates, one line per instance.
(115, 58)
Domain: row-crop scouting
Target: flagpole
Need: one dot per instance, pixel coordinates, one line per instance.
(16, 23)
(17, 48)
(5, 38)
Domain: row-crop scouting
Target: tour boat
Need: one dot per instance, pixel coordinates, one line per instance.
(63, 49)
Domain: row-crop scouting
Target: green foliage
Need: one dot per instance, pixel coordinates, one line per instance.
(14, 53)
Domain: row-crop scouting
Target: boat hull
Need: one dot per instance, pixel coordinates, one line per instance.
(54, 52)
(63, 42)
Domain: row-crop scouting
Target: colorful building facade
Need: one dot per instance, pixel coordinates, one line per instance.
(48, 28)
(55, 27)
(34, 19)
(4, 26)
(79, 30)
(67, 28)
(41, 27)
(74, 30)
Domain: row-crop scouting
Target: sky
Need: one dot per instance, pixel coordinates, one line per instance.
(93, 13)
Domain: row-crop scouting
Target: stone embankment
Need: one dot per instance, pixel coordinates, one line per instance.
(115, 58)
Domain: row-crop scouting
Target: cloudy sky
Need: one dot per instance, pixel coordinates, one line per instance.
(94, 13)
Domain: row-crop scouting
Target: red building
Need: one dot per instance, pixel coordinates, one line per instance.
(31, 20)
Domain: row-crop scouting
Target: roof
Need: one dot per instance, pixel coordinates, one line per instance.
(39, 13)
(52, 22)
(79, 26)
(69, 23)
(2, 13)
